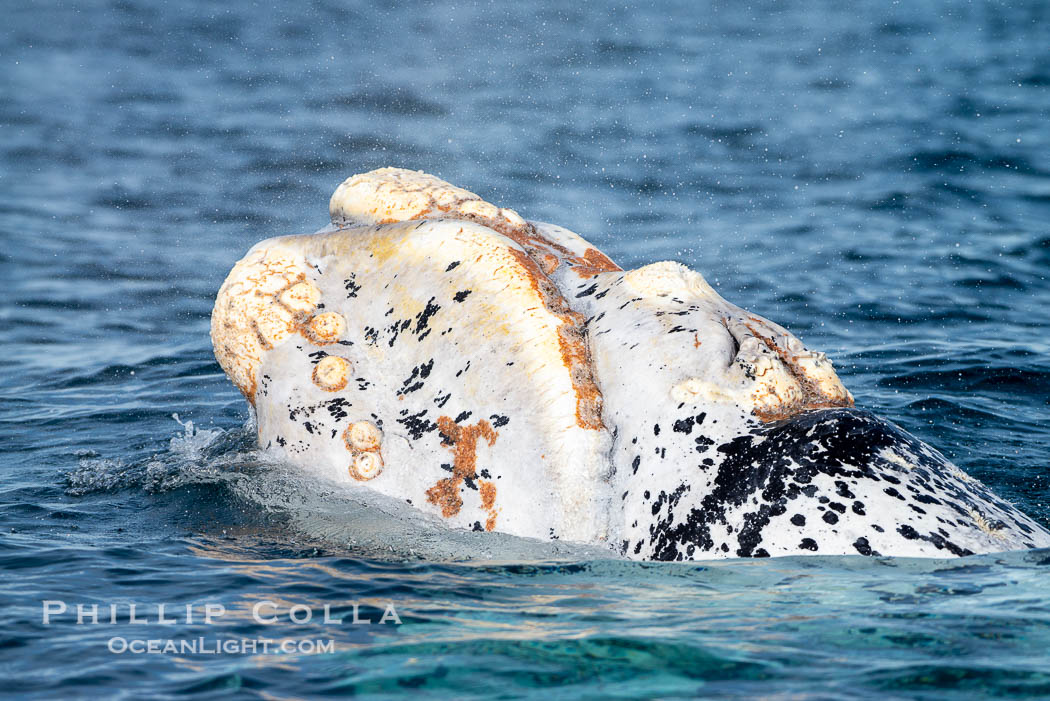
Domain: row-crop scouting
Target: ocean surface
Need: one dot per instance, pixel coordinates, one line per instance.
(874, 176)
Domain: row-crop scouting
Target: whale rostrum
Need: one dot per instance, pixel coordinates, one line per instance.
(503, 374)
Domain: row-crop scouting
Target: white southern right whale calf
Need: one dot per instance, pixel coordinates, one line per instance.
(505, 375)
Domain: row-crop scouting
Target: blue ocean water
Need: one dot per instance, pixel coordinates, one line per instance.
(872, 176)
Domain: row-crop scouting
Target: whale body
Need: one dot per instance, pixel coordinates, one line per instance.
(505, 375)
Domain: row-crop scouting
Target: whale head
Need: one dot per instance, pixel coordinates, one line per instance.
(502, 374)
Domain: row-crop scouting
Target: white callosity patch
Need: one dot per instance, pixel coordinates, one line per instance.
(363, 435)
(259, 306)
(366, 465)
(505, 375)
(393, 194)
(332, 373)
(327, 327)
(720, 352)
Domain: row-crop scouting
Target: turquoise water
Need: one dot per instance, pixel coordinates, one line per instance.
(873, 178)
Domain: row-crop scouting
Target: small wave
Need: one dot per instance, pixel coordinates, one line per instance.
(983, 378)
(958, 161)
(390, 101)
(733, 135)
(194, 456)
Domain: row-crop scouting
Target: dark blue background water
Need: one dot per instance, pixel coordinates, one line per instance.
(873, 176)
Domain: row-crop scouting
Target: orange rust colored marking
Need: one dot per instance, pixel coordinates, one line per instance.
(464, 446)
(696, 341)
(594, 262)
(488, 502)
(488, 494)
(572, 344)
(548, 253)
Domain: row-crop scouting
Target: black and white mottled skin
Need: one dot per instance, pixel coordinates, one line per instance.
(701, 478)
(504, 375)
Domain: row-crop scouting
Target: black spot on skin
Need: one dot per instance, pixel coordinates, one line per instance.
(395, 329)
(808, 544)
(352, 288)
(908, 532)
(798, 520)
(703, 443)
(499, 421)
(417, 424)
(684, 425)
(831, 517)
(463, 416)
(936, 539)
(337, 408)
(894, 493)
(589, 291)
(858, 508)
(861, 546)
(635, 463)
(421, 372)
(461, 295)
(452, 266)
(656, 430)
(423, 318)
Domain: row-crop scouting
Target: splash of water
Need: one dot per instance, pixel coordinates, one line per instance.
(194, 456)
(342, 516)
